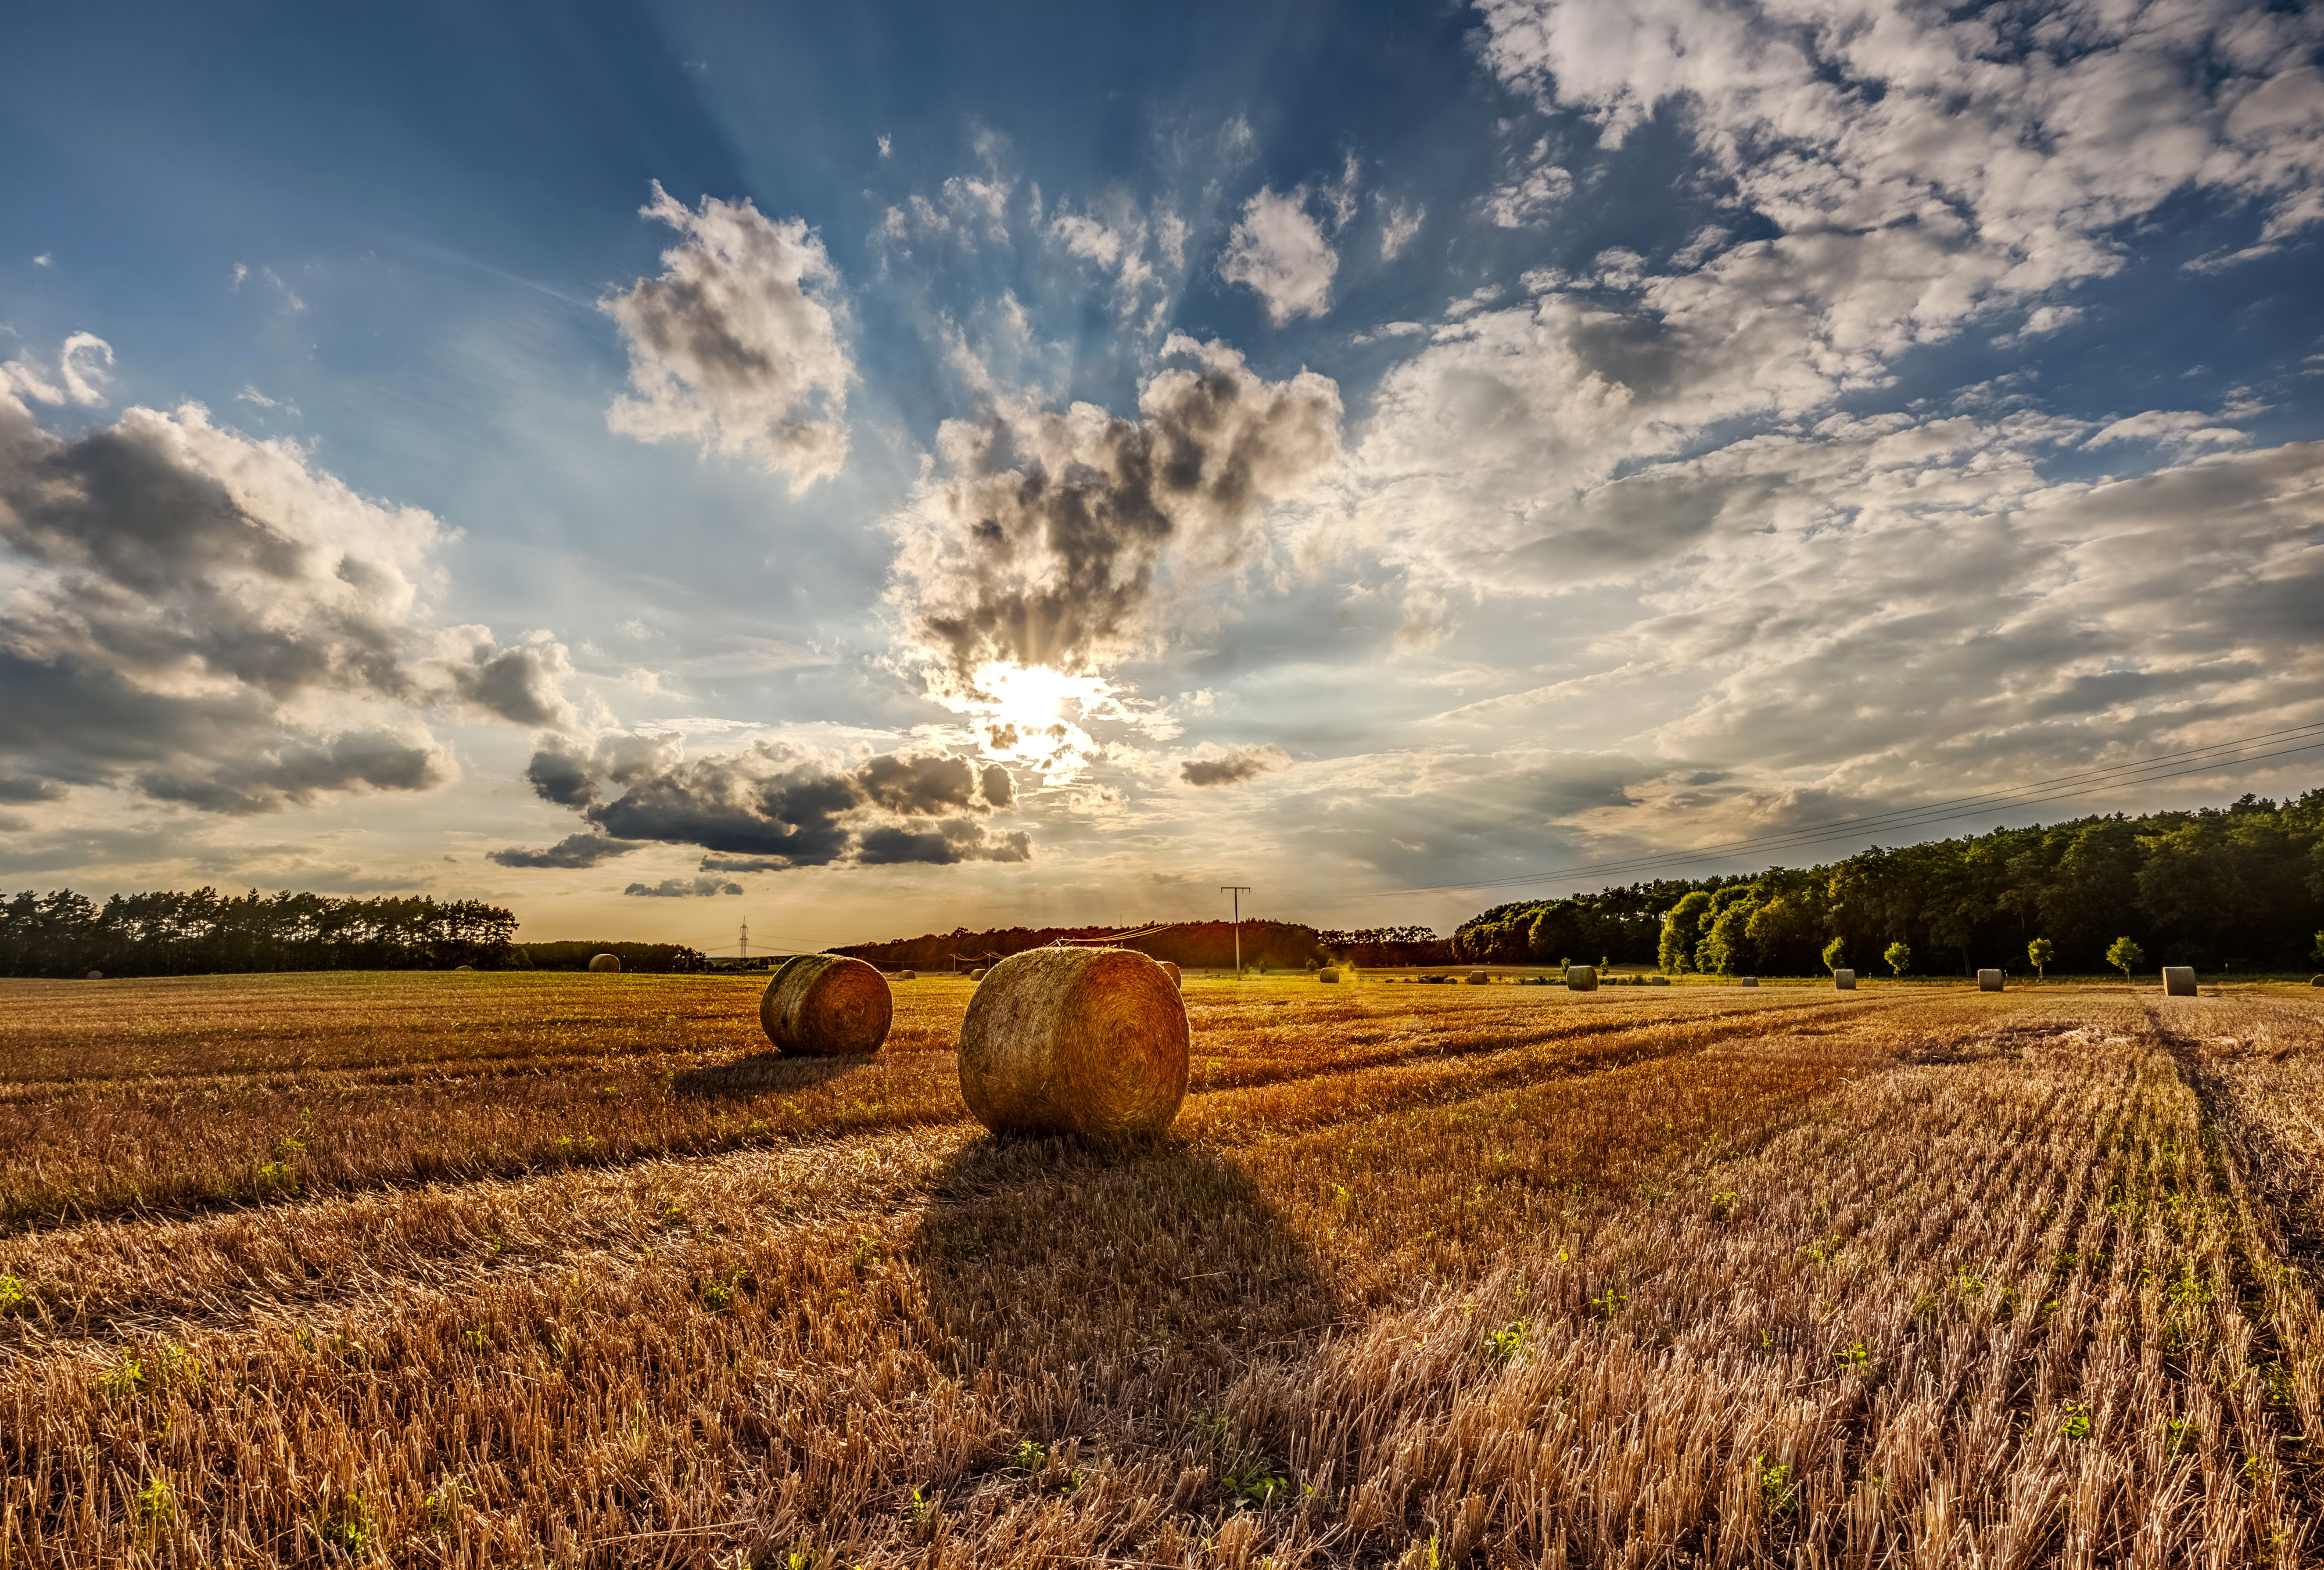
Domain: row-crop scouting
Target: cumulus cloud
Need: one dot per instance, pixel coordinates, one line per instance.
(575, 850)
(1142, 249)
(737, 345)
(212, 621)
(1239, 766)
(1280, 252)
(683, 889)
(773, 806)
(1042, 541)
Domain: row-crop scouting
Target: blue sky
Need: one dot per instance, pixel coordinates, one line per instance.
(876, 468)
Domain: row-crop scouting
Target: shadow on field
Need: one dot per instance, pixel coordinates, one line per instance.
(760, 1073)
(1071, 1281)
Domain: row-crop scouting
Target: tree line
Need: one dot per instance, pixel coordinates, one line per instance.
(172, 932)
(2239, 887)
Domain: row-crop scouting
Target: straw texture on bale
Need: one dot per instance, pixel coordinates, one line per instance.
(1988, 981)
(1844, 980)
(1478, 978)
(827, 1004)
(1582, 977)
(2179, 980)
(1085, 1041)
(1176, 979)
(606, 962)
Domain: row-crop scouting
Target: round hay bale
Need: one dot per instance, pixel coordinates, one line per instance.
(1327, 976)
(608, 963)
(1582, 977)
(1087, 1041)
(1843, 980)
(977, 974)
(1177, 977)
(828, 1005)
(96, 976)
(1988, 981)
(2179, 980)
(458, 968)
(2315, 981)
(1658, 981)
(908, 975)
(1478, 978)
(1749, 981)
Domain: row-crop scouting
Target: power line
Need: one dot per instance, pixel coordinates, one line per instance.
(2030, 794)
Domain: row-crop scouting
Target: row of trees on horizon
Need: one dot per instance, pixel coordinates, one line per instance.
(2235, 888)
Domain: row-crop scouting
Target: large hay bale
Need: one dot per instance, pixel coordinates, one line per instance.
(1327, 976)
(1844, 980)
(1087, 1041)
(1478, 978)
(830, 1005)
(1582, 977)
(2179, 980)
(1988, 981)
(1177, 979)
(608, 963)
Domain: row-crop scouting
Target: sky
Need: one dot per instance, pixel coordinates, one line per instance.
(870, 470)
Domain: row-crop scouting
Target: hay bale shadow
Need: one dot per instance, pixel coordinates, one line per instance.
(1085, 1289)
(760, 1073)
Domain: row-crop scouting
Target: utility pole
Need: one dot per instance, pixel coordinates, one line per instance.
(746, 941)
(1238, 890)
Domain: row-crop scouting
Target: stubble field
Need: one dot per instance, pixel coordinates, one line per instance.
(564, 1270)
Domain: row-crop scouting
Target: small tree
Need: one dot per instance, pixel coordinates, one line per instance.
(2320, 948)
(1898, 955)
(1834, 952)
(2125, 956)
(2041, 951)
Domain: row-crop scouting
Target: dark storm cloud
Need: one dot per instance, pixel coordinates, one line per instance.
(769, 808)
(1235, 768)
(583, 849)
(213, 622)
(1043, 544)
(682, 888)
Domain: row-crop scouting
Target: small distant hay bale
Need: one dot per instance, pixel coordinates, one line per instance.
(1478, 978)
(2179, 980)
(1658, 981)
(827, 1006)
(2315, 981)
(1085, 1041)
(1177, 977)
(1327, 976)
(977, 974)
(908, 975)
(1582, 977)
(1989, 980)
(1747, 981)
(607, 963)
(458, 968)
(96, 976)
(1843, 980)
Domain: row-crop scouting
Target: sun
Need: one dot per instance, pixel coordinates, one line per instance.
(1032, 715)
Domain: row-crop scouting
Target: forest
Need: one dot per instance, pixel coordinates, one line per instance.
(2222, 888)
(1196, 945)
(204, 932)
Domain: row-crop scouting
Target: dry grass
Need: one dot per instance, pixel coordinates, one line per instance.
(1424, 1275)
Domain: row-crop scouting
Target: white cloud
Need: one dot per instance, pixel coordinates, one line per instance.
(44, 260)
(887, 147)
(2172, 429)
(1142, 249)
(736, 347)
(1398, 225)
(1280, 252)
(1530, 195)
(79, 379)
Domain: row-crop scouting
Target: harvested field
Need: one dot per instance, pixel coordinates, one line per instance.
(490, 1269)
